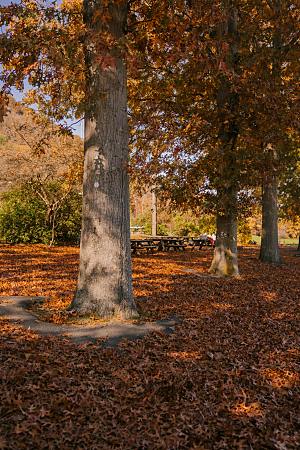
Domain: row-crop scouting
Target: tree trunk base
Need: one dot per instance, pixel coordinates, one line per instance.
(269, 248)
(270, 261)
(85, 306)
(273, 258)
(224, 263)
(298, 248)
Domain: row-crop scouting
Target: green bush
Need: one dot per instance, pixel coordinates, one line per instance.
(144, 220)
(177, 224)
(193, 225)
(3, 139)
(23, 217)
(244, 232)
(162, 229)
(188, 229)
(69, 220)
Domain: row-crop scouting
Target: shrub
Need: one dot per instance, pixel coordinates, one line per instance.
(144, 220)
(69, 219)
(162, 229)
(23, 217)
(194, 225)
(3, 139)
(244, 232)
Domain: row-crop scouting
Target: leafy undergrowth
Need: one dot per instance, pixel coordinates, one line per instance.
(226, 379)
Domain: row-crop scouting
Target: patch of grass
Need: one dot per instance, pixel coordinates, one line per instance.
(282, 241)
(256, 239)
(288, 241)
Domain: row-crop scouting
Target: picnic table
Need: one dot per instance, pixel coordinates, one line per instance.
(162, 243)
(172, 242)
(147, 244)
(202, 241)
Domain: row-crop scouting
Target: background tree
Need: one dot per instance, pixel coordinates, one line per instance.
(272, 109)
(289, 195)
(32, 147)
(181, 139)
(54, 196)
(198, 121)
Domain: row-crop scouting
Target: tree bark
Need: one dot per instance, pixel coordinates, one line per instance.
(105, 279)
(225, 261)
(269, 249)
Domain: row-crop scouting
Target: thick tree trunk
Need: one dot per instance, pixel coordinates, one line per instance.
(225, 261)
(269, 250)
(105, 281)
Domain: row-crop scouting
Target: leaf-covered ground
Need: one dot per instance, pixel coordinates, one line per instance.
(225, 379)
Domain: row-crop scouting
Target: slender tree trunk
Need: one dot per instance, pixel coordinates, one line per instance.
(298, 248)
(269, 250)
(105, 280)
(53, 228)
(154, 213)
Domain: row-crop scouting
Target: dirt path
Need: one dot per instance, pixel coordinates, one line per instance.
(14, 309)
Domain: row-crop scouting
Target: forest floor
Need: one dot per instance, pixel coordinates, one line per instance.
(227, 378)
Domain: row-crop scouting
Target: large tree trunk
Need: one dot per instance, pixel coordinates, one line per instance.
(269, 250)
(105, 281)
(225, 261)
